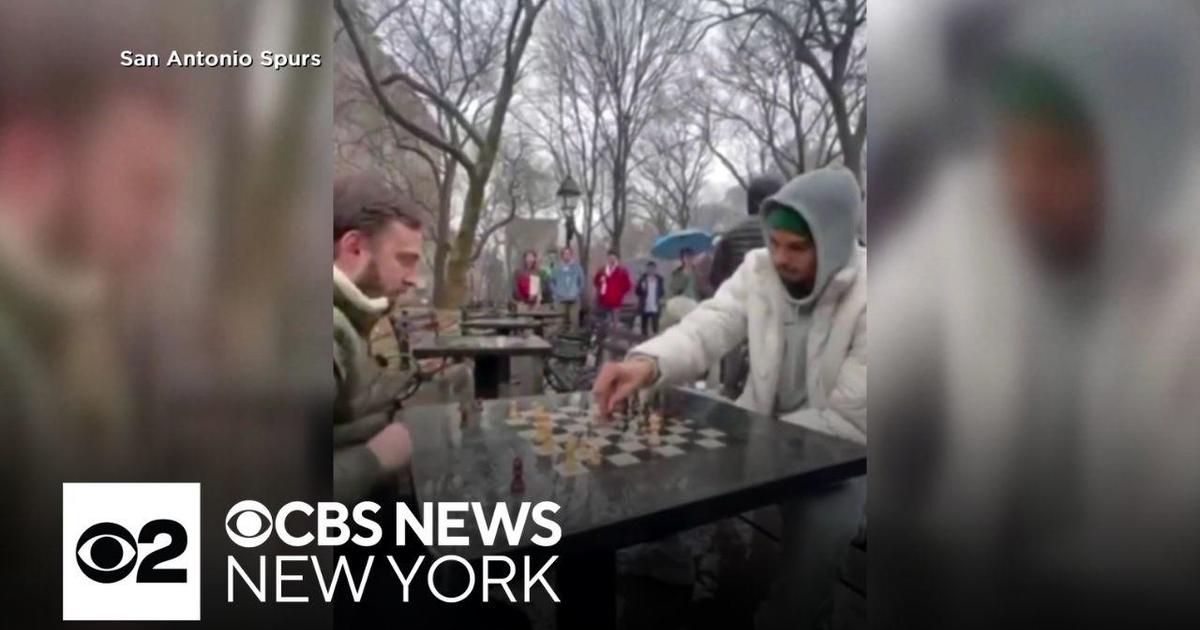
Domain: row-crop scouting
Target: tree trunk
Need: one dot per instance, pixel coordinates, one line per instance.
(851, 148)
(464, 241)
(618, 204)
(442, 247)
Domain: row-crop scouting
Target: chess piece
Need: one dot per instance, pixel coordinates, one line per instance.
(518, 476)
(513, 409)
(654, 428)
(569, 461)
(463, 415)
(595, 455)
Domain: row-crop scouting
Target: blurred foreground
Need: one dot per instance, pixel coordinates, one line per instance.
(157, 231)
(1036, 333)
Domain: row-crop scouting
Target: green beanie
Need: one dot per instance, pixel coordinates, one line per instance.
(780, 217)
(1029, 90)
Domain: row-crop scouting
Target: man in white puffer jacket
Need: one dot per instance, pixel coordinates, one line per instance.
(801, 304)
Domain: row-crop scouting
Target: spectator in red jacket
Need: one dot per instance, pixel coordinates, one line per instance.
(529, 285)
(612, 283)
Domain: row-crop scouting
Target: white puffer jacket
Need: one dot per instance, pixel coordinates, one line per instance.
(748, 305)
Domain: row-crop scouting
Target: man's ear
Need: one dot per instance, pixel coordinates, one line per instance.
(351, 243)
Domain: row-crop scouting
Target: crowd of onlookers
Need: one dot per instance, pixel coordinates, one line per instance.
(558, 277)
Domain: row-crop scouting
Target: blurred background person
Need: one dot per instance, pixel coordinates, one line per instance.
(684, 282)
(154, 228)
(91, 166)
(1011, 307)
(612, 284)
(567, 285)
(746, 235)
(650, 296)
(528, 282)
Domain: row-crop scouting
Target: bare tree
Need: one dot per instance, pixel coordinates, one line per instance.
(626, 52)
(826, 37)
(519, 187)
(566, 113)
(671, 168)
(464, 59)
(762, 107)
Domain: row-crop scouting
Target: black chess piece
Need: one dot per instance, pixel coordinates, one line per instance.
(518, 476)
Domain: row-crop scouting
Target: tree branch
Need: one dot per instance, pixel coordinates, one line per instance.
(385, 103)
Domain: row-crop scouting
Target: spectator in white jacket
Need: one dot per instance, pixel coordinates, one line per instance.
(804, 298)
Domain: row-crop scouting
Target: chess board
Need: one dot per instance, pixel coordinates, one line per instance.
(621, 441)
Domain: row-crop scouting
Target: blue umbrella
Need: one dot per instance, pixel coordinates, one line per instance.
(669, 246)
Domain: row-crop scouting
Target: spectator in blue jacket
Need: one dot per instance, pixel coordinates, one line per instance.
(566, 285)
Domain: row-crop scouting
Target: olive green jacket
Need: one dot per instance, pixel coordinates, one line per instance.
(356, 470)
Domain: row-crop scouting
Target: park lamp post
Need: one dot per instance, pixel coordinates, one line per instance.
(568, 194)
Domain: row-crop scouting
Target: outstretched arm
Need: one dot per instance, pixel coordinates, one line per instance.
(700, 339)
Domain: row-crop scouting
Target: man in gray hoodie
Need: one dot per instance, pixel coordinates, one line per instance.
(804, 296)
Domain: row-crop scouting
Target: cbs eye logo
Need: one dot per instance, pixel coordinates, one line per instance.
(131, 552)
(248, 523)
(107, 552)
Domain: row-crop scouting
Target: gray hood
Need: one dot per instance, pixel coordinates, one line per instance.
(830, 201)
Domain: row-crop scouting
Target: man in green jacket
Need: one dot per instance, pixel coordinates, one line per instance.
(683, 279)
(377, 248)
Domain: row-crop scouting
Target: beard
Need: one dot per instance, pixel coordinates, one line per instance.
(798, 289)
(370, 282)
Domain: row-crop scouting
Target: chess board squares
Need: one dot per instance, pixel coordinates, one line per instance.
(710, 443)
(679, 430)
(631, 446)
(673, 439)
(595, 441)
(622, 459)
(668, 451)
(711, 433)
(566, 471)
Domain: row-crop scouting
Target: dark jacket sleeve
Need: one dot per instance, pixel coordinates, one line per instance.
(721, 267)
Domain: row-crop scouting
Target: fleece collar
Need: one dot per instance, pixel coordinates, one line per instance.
(361, 310)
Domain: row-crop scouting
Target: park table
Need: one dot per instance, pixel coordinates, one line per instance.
(761, 461)
(506, 325)
(491, 354)
(542, 312)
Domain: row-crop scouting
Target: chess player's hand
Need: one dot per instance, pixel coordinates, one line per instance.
(392, 446)
(618, 381)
